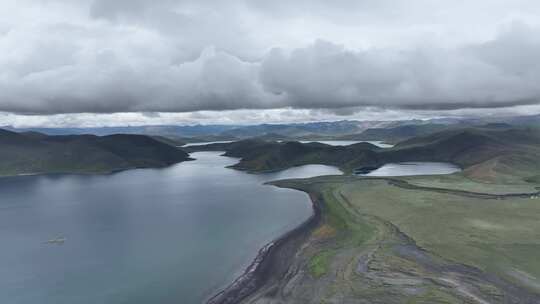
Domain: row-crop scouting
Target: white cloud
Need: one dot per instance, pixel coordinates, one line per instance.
(100, 56)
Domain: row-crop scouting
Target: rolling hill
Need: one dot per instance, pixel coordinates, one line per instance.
(33, 152)
(397, 134)
(479, 151)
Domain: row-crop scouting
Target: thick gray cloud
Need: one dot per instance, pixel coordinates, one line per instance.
(498, 73)
(103, 56)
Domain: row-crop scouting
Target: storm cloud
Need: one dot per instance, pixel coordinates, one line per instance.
(103, 56)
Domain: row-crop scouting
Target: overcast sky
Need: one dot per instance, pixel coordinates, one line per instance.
(114, 62)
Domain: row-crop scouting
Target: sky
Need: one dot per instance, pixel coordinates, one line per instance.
(134, 62)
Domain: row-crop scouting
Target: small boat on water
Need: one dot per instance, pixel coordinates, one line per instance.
(57, 241)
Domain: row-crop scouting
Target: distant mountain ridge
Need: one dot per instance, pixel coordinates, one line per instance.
(391, 131)
(399, 133)
(33, 152)
(164, 130)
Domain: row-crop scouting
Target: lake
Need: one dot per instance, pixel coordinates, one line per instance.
(414, 168)
(172, 235)
(377, 143)
(327, 142)
(207, 143)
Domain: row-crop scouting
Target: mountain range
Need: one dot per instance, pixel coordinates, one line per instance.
(391, 131)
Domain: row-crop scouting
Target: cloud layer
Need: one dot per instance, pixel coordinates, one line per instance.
(101, 56)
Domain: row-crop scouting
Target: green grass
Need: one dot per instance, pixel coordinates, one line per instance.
(434, 296)
(499, 236)
(458, 181)
(353, 231)
(533, 179)
(319, 263)
(350, 232)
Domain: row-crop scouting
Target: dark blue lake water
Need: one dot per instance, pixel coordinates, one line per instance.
(172, 235)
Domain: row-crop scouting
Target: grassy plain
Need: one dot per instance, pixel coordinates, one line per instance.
(500, 236)
(470, 237)
(378, 242)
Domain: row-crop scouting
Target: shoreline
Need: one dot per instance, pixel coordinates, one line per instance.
(271, 262)
(275, 258)
(90, 173)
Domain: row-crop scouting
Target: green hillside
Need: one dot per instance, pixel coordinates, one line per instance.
(399, 133)
(480, 151)
(32, 152)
